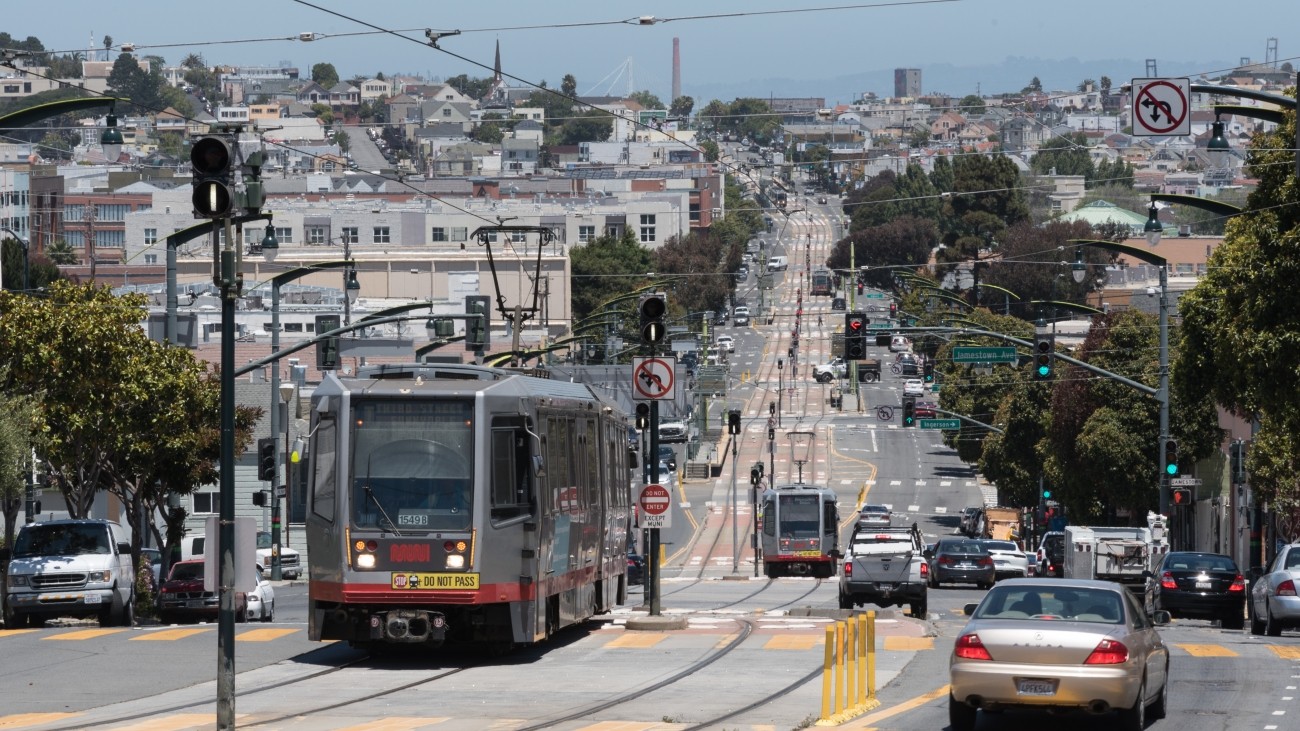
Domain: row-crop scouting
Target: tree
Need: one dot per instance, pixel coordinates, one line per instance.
(1087, 84)
(711, 150)
(706, 262)
(143, 88)
(61, 253)
(323, 73)
(475, 88)
(971, 105)
(55, 145)
(489, 133)
(579, 130)
(901, 242)
(714, 116)
(1034, 86)
(1105, 86)
(1065, 155)
(17, 436)
(569, 85)
(646, 99)
(681, 106)
(987, 197)
(323, 113)
(606, 267)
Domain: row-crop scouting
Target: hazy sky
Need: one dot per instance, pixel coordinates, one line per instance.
(1004, 42)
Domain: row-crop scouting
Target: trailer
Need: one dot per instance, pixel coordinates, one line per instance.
(1124, 554)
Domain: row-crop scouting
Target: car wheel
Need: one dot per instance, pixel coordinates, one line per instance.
(270, 613)
(920, 610)
(1160, 707)
(1134, 719)
(128, 612)
(1233, 620)
(1272, 627)
(1256, 624)
(846, 602)
(961, 717)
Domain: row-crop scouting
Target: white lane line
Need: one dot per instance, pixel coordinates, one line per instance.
(913, 508)
(945, 483)
(895, 483)
(920, 483)
(940, 510)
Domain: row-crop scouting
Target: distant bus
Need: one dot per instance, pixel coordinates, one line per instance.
(823, 283)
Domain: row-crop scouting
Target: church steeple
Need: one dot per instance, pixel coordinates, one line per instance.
(496, 68)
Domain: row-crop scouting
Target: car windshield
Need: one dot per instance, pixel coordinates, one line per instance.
(187, 572)
(409, 465)
(61, 540)
(1046, 602)
(1293, 559)
(968, 547)
(875, 510)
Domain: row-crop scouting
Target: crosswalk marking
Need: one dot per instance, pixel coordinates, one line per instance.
(793, 642)
(7, 632)
(263, 635)
(1287, 652)
(395, 723)
(173, 634)
(622, 726)
(23, 720)
(908, 644)
(637, 640)
(172, 723)
(85, 634)
(1206, 650)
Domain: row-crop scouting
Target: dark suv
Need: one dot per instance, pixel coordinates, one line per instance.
(1051, 554)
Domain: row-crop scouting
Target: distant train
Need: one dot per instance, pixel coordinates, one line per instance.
(457, 503)
(823, 283)
(800, 531)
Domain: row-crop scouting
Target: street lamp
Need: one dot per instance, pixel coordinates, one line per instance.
(270, 247)
(111, 140)
(1218, 147)
(1078, 270)
(285, 392)
(1153, 228)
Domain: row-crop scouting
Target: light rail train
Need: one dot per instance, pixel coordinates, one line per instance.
(800, 531)
(458, 503)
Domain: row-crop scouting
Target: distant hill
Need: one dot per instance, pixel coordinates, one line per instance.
(1012, 75)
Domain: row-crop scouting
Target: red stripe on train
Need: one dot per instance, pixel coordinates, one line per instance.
(371, 593)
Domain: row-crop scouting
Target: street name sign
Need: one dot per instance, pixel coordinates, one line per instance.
(1185, 482)
(879, 326)
(654, 502)
(874, 295)
(984, 355)
(940, 423)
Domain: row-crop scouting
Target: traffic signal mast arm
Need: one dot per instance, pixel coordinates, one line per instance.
(1029, 346)
(303, 345)
(963, 417)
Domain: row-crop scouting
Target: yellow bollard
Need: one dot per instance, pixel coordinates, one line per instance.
(861, 658)
(841, 692)
(850, 662)
(871, 654)
(827, 667)
(663, 554)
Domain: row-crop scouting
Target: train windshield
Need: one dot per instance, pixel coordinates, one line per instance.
(800, 516)
(412, 465)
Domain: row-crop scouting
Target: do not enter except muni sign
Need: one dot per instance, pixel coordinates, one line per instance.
(654, 503)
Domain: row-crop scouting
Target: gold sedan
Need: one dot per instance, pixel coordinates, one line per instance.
(1059, 644)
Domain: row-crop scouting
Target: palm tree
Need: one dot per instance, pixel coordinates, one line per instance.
(192, 61)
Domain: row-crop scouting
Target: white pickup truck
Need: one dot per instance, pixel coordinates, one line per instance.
(885, 567)
(827, 372)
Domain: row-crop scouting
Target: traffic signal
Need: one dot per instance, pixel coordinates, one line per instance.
(771, 433)
(893, 309)
(859, 287)
(1171, 457)
(909, 411)
(327, 350)
(1047, 493)
(855, 336)
(259, 498)
(266, 458)
(652, 309)
(756, 473)
(1181, 496)
(477, 330)
(643, 416)
(733, 422)
(253, 195)
(928, 370)
(212, 166)
(1043, 350)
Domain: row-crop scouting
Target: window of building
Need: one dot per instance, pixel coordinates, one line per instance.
(350, 235)
(110, 239)
(381, 235)
(317, 234)
(459, 233)
(75, 239)
(491, 236)
(74, 212)
(518, 237)
(111, 211)
(586, 233)
(206, 502)
(695, 213)
(293, 327)
(647, 228)
(150, 236)
(150, 258)
(439, 234)
(283, 235)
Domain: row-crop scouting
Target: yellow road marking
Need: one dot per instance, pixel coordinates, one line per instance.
(172, 634)
(7, 632)
(1286, 653)
(866, 487)
(622, 726)
(794, 642)
(23, 720)
(903, 644)
(85, 634)
(637, 640)
(173, 723)
(263, 635)
(395, 723)
(865, 723)
(1206, 650)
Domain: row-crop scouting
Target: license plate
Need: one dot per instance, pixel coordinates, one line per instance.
(1036, 687)
(406, 580)
(92, 599)
(966, 565)
(194, 604)
(1202, 585)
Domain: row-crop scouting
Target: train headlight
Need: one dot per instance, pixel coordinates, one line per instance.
(366, 561)
(456, 562)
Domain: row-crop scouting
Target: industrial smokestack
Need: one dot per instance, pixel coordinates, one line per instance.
(677, 70)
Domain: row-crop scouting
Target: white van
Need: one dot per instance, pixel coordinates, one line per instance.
(70, 568)
(776, 263)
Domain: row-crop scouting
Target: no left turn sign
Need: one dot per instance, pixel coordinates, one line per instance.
(654, 379)
(1160, 107)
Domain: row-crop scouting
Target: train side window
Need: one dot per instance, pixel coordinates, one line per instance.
(324, 481)
(512, 478)
(830, 518)
(769, 518)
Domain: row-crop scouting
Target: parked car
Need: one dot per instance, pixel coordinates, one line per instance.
(727, 342)
(1051, 554)
(261, 600)
(1052, 645)
(1274, 603)
(290, 561)
(874, 516)
(1204, 585)
(1008, 559)
(182, 596)
(961, 560)
(673, 431)
(635, 567)
(913, 387)
(827, 372)
(69, 568)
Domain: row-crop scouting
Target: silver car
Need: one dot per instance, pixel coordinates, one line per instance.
(1061, 644)
(874, 516)
(1274, 604)
(1008, 559)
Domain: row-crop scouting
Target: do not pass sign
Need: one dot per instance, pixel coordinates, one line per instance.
(654, 505)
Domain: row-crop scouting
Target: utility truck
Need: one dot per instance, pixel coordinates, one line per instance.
(1124, 554)
(885, 567)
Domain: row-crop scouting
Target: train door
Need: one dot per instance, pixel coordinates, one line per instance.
(512, 496)
(830, 524)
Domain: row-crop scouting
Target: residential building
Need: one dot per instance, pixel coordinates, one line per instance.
(907, 83)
